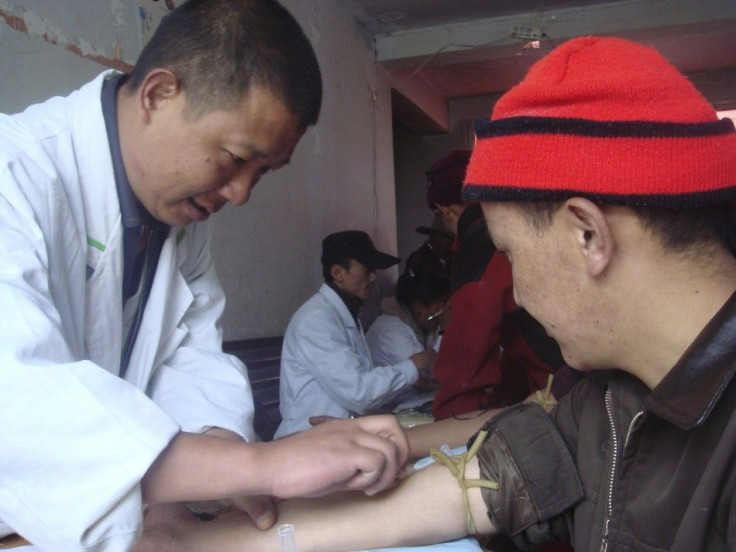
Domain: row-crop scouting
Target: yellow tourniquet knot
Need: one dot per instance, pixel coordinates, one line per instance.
(545, 400)
(456, 465)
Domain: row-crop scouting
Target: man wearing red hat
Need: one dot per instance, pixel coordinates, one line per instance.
(610, 184)
(620, 231)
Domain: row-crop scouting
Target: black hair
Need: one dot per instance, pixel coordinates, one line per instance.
(219, 49)
(678, 229)
(427, 287)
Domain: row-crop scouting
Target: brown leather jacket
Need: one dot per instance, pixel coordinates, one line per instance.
(616, 467)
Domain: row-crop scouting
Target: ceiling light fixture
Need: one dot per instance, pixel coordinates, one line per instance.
(526, 33)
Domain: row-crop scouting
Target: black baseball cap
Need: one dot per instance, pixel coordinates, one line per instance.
(438, 228)
(354, 244)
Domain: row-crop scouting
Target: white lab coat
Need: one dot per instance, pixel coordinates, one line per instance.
(394, 335)
(390, 339)
(326, 367)
(75, 439)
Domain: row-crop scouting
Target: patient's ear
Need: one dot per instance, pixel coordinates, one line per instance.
(592, 233)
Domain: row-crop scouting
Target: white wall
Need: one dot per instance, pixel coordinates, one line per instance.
(341, 175)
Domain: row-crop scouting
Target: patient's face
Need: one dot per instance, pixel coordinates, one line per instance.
(548, 279)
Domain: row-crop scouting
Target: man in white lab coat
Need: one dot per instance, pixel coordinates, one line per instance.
(115, 392)
(326, 366)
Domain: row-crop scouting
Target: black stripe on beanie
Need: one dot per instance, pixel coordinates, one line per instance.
(485, 128)
(480, 192)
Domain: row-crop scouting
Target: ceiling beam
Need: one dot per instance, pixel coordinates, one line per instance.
(487, 34)
(413, 59)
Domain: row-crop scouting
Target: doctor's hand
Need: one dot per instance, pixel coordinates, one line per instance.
(424, 361)
(260, 509)
(365, 454)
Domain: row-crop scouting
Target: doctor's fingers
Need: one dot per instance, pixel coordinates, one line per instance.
(259, 508)
(388, 427)
(378, 463)
(316, 420)
(365, 454)
(383, 426)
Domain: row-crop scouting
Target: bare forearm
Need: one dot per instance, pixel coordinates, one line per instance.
(426, 508)
(364, 454)
(453, 432)
(204, 467)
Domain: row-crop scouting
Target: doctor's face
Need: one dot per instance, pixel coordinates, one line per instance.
(187, 169)
(357, 280)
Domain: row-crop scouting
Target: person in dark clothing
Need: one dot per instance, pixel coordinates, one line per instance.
(435, 254)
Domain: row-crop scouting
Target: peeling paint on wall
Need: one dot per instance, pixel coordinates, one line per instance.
(118, 23)
(33, 24)
(151, 12)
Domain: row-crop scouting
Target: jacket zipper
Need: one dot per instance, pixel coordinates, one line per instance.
(614, 463)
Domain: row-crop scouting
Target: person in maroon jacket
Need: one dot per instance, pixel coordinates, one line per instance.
(492, 353)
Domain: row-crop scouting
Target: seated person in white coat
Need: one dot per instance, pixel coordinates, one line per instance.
(410, 319)
(111, 365)
(326, 367)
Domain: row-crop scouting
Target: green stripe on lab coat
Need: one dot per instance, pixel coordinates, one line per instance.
(94, 243)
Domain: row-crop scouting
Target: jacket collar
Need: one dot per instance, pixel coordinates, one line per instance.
(689, 392)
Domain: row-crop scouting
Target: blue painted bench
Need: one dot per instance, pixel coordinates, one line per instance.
(262, 357)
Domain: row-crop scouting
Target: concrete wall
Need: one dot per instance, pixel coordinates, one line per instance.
(50, 48)
(341, 175)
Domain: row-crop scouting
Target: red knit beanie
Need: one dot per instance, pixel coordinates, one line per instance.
(606, 119)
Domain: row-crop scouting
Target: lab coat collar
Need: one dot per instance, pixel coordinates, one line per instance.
(352, 303)
(348, 320)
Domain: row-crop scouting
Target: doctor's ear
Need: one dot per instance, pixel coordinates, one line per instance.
(158, 88)
(337, 271)
(592, 233)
